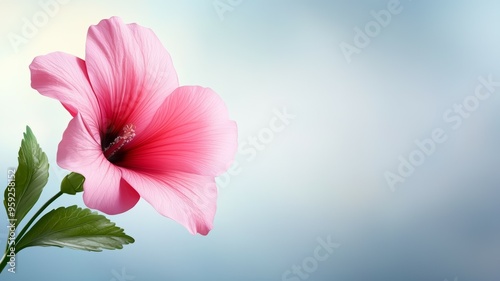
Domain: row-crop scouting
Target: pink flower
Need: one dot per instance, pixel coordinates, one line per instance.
(136, 133)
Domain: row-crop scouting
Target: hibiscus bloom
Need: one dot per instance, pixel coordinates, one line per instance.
(134, 132)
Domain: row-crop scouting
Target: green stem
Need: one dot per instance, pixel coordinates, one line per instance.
(26, 227)
(3, 261)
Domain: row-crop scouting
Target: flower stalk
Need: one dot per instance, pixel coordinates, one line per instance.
(5, 258)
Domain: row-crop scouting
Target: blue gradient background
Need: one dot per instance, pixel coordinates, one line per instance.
(323, 175)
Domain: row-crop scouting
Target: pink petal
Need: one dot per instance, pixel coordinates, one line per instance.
(130, 71)
(103, 188)
(64, 77)
(191, 133)
(186, 198)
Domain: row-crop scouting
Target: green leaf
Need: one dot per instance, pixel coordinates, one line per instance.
(72, 183)
(31, 176)
(75, 228)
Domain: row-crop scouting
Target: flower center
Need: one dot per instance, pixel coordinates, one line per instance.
(128, 133)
